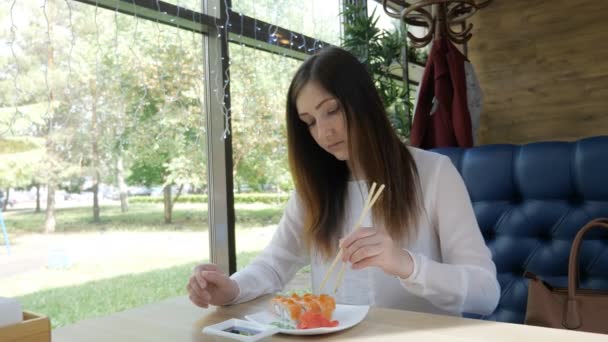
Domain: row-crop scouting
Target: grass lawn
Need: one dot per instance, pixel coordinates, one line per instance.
(114, 291)
(140, 217)
(67, 305)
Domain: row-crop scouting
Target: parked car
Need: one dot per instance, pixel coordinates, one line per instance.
(11, 202)
(139, 191)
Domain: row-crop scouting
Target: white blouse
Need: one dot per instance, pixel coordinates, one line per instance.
(453, 268)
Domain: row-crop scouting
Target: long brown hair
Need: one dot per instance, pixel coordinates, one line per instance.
(321, 180)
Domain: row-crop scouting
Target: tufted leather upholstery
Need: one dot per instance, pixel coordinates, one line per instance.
(530, 201)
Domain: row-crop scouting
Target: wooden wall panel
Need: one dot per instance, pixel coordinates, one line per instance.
(543, 68)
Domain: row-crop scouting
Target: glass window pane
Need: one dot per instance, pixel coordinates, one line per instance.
(101, 128)
(194, 5)
(417, 55)
(262, 182)
(384, 21)
(319, 19)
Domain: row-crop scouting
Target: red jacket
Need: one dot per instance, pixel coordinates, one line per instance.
(443, 79)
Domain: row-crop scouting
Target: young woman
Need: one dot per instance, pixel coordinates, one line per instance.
(420, 249)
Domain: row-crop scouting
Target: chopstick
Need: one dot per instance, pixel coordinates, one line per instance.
(339, 255)
(372, 197)
(341, 274)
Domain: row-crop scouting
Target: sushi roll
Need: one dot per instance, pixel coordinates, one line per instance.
(328, 305)
(287, 309)
(291, 308)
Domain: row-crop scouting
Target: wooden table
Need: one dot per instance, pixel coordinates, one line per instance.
(176, 319)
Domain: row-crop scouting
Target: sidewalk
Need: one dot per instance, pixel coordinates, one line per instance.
(93, 256)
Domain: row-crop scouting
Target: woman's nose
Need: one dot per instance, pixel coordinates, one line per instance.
(325, 129)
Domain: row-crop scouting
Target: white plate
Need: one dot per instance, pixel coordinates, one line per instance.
(347, 315)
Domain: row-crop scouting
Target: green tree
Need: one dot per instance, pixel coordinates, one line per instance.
(36, 39)
(20, 163)
(258, 115)
(164, 133)
(127, 96)
(381, 50)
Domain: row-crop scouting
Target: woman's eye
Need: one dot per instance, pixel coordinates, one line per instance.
(311, 124)
(333, 111)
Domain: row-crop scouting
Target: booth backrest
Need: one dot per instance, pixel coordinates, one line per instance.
(530, 200)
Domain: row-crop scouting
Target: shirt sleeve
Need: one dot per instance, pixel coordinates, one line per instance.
(276, 265)
(465, 280)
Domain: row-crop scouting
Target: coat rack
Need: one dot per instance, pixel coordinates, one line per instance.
(438, 16)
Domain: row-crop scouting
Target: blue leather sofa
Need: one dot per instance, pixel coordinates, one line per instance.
(530, 201)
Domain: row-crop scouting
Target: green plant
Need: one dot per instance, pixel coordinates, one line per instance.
(267, 198)
(417, 56)
(380, 51)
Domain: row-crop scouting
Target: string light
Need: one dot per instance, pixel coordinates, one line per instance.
(141, 75)
(226, 110)
(314, 25)
(72, 42)
(197, 44)
(118, 124)
(303, 45)
(177, 34)
(67, 120)
(159, 69)
(97, 48)
(46, 68)
(18, 91)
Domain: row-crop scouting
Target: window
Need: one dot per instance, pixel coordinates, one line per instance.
(102, 128)
(194, 5)
(103, 120)
(315, 18)
(262, 180)
(385, 22)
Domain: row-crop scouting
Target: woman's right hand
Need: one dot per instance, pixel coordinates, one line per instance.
(209, 285)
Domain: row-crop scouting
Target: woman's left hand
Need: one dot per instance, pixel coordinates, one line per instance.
(367, 247)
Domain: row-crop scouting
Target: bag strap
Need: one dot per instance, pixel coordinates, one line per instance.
(572, 318)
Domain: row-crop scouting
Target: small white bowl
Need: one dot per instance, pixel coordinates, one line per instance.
(239, 330)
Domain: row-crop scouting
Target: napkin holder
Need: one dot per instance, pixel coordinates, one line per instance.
(33, 328)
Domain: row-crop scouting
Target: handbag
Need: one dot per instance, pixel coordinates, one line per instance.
(571, 308)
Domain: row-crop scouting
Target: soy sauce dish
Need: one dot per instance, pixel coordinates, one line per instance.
(239, 330)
